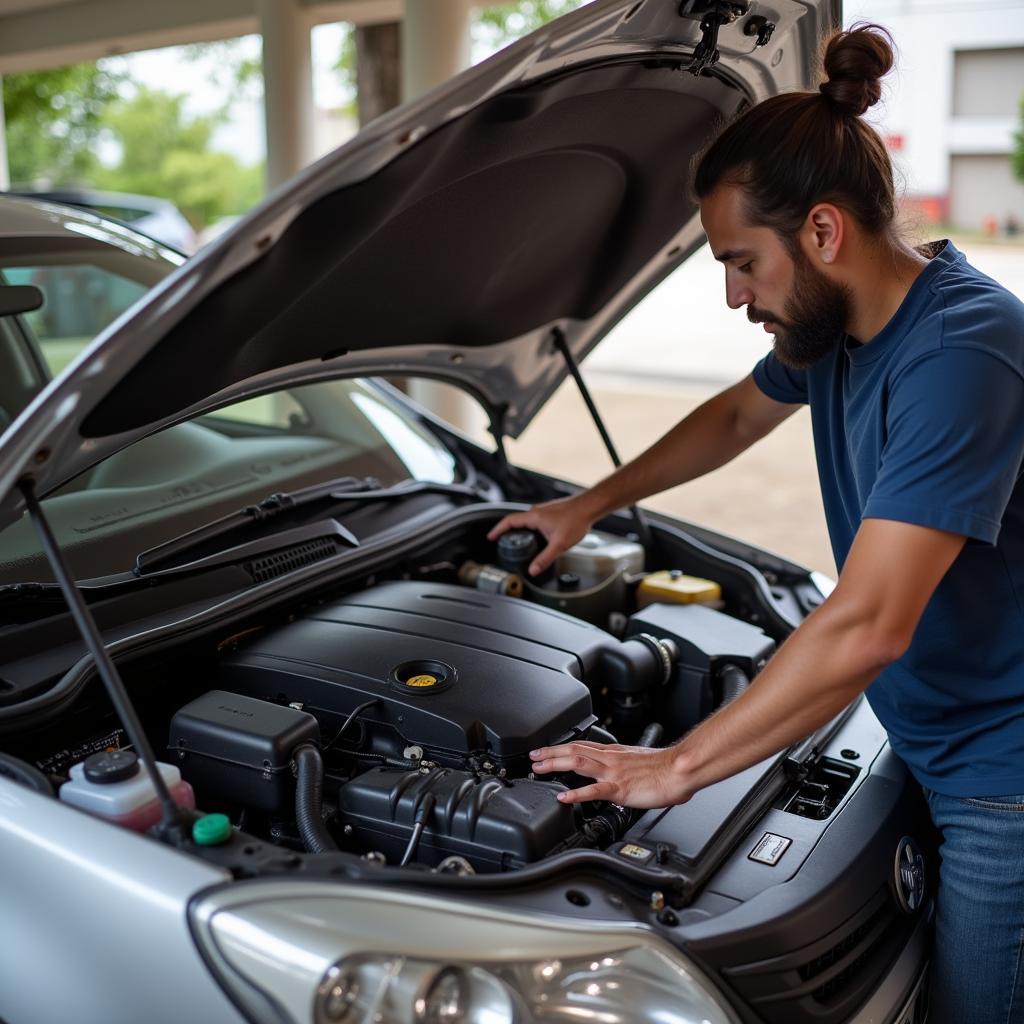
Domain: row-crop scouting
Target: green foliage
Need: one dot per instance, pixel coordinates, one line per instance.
(1017, 158)
(345, 65)
(164, 152)
(54, 120)
(57, 119)
(235, 65)
(504, 23)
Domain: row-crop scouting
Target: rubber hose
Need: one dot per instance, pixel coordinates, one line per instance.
(16, 770)
(309, 787)
(651, 736)
(734, 681)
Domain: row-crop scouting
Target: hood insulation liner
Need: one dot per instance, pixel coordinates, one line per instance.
(538, 205)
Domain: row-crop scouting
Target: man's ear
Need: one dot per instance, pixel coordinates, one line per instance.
(822, 233)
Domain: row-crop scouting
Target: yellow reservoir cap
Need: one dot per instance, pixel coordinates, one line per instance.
(675, 587)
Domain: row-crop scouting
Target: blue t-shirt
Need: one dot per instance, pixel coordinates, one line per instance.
(925, 424)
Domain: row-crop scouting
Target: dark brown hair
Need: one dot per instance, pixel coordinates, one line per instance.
(801, 148)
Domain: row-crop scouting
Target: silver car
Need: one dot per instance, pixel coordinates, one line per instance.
(267, 693)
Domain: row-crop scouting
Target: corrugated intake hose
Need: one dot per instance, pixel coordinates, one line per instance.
(734, 681)
(651, 736)
(309, 791)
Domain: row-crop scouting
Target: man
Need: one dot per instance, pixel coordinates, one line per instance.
(912, 363)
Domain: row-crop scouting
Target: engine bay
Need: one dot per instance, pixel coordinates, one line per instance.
(394, 720)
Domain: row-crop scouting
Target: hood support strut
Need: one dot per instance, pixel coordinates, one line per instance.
(643, 528)
(173, 826)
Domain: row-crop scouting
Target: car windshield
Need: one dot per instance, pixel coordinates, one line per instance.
(194, 472)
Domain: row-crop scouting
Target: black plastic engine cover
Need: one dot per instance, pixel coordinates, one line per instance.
(494, 824)
(457, 672)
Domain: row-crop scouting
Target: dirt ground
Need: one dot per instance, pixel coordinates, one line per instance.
(768, 496)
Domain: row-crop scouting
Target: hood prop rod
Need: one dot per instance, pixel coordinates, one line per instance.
(173, 826)
(643, 528)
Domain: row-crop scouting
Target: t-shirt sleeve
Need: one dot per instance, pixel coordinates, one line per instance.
(780, 382)
(954, 444)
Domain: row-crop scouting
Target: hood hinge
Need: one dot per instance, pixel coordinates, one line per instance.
(713, 14)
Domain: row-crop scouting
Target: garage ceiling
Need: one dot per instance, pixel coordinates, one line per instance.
(36, 34)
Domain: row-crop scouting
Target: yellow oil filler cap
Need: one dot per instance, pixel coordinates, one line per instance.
(674, 587)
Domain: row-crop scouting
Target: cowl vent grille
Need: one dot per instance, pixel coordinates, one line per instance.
(287, 560)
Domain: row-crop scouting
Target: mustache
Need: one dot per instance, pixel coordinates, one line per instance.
(760, 316)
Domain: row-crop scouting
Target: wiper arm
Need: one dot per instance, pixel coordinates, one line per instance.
(281, 505)
(274, 505)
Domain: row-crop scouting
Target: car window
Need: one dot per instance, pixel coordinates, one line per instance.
(127, 214)
(79, 300)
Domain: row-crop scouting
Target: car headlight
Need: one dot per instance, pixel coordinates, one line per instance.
(317, 953)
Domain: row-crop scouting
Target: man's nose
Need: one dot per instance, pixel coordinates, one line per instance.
(737, 293)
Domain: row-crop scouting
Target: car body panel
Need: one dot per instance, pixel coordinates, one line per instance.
(92, 897)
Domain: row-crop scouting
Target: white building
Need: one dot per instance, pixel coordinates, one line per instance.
(952, 105)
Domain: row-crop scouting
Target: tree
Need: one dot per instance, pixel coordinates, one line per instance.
(501, 24)
(165, 152)
(55, 119)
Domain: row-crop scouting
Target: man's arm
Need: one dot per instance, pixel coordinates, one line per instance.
(709, 437)
(865, 625)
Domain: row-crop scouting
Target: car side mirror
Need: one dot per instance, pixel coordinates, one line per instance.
(19, 298)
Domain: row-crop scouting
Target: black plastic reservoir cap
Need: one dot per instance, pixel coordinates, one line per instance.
(111, 766)
(516, 549)
(568, 581)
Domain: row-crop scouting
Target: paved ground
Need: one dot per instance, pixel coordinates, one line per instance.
(673, 351)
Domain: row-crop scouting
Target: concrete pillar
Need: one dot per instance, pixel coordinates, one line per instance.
(435, 43)
(288, 88)
(5, 171)
(435, 46)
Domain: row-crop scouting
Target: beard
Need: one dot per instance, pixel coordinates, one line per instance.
(814, 320)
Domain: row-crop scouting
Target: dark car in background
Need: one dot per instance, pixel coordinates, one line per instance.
(286, 560)
(154, 216)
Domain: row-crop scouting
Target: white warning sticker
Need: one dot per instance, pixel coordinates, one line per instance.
(770, 848)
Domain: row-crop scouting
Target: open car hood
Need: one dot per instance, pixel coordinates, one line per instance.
(542, 191)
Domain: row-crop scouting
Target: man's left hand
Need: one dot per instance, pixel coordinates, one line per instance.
(631, 776)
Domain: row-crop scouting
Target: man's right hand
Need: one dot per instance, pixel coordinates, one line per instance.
(563, 523)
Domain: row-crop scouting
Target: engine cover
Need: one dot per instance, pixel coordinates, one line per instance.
(455, 671)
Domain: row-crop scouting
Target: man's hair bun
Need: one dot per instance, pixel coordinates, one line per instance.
(854, 62)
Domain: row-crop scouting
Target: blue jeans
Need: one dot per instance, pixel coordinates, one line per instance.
(977, 973)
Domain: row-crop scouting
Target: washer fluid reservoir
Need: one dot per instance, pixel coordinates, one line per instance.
(113, 785)
(600, 555)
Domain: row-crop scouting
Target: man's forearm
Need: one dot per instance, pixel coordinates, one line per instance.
(823, 666)
(709, 437)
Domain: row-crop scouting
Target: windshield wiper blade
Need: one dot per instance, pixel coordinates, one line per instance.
(271, 507)
(280, 505)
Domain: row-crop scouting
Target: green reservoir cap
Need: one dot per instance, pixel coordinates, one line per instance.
(211, 830)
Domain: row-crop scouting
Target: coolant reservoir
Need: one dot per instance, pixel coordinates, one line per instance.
(675, 587)
(113, 785)
(600, 555)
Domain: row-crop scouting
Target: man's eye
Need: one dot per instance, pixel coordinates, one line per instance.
(745, 269)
